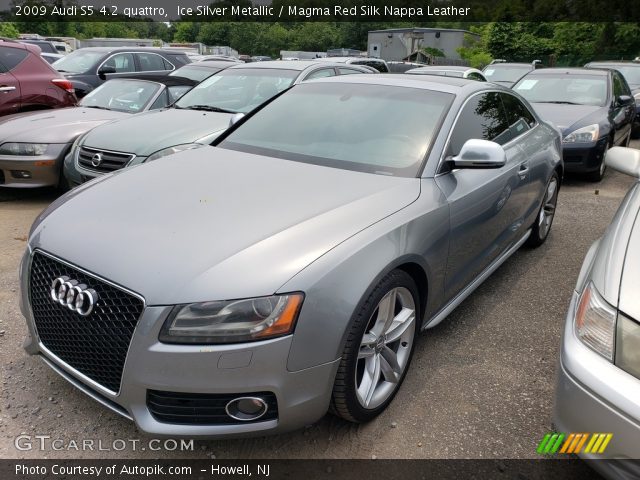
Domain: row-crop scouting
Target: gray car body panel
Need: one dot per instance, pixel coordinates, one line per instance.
(249, 225)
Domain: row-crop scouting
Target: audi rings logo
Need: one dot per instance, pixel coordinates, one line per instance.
(96, 160)
(73, 295)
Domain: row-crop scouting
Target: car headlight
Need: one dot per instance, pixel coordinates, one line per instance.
(232, 321)
(628, 345)
(595, 322)
(23, 149)
(171, 150)
(587, 134)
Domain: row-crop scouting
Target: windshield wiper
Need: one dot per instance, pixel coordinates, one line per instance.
(560, 102)
(209, 108)
(96, 106)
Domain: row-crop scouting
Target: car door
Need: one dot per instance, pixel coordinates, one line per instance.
(10, 92)
(621, 113)
(486, 205)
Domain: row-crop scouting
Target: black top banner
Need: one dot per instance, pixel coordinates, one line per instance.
(410, 11)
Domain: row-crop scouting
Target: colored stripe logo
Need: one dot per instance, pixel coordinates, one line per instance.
(594, 443)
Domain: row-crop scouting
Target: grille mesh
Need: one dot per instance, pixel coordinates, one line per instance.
(95, 345)
(109, 162)
(202, 408)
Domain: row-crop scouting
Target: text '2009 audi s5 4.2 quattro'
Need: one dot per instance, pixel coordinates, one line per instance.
(296, 268)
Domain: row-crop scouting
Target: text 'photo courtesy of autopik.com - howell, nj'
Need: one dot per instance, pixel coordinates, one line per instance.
(287, 239)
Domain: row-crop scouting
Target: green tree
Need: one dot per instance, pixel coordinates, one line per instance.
(9, 30)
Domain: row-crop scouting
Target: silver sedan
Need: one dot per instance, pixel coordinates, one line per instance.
(598, 387)
(251, 286)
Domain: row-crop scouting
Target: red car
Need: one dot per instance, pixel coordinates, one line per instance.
(28, 82)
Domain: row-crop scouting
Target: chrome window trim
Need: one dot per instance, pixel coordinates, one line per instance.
(134, 63)
(58, 361)
(437, 172)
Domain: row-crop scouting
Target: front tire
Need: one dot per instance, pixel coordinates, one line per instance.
(378, 351)
(542, 226)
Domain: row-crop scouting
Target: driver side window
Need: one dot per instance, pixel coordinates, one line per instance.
(484, 118)
(122, 62)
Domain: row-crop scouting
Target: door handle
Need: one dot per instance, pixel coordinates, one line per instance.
(7, 88)
(524, 169)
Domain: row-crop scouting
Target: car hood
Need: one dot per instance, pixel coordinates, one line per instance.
(152, 131)
(569, 117)
(211, 224)
(630, 282)
(61, 125)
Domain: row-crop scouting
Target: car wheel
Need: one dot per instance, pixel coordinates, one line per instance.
(378, 350)
(598, 175)
(542, 226)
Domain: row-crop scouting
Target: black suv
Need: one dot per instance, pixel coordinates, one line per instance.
(89, 67)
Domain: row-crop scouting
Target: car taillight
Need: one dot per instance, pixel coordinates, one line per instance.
(64, 84)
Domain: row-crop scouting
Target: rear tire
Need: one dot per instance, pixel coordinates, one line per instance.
(378, 350)
(542, 225)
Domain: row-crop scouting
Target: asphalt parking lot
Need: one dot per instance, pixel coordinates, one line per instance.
(480, 385)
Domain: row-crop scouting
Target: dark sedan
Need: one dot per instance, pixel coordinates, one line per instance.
(88, 68)
(593, 109)
(631, 73)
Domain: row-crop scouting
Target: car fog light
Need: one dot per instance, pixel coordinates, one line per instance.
(595, 322)
(628, 346)
(20, 173)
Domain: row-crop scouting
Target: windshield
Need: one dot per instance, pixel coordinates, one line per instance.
(494, 73)
(563, 88)
(631, 73)
(238, 90)
(197, 74)
(130, 96)
(78, 61)
(314, 123)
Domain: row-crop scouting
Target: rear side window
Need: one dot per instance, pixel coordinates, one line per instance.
(11, 57)
(520, 118)
(150, 62)
(483, 118)
(348, 71)
(122, 62)
(324, 72)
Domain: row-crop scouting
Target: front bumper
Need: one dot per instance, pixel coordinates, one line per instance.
(33, 171)
(595, 396)
(584, 158)
(239, 369)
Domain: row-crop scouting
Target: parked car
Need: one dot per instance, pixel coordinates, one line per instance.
(507, 74)
(449, 71)
(89, 67)
(376, 63)
(45, 46)
(261, 58)
(598, 386)
(51, 57)
(402, 67)
(198, 118)
(631, 73)
(33, 145)
(28, 82)
(200, 71)
(292, 266)
(593, 109)
(220, 58)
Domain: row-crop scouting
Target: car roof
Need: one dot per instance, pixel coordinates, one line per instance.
(569, 71)
(442, 68)
(625, 63)
(454, 85)
(346, 59)
(299, 65)
(169, 81)
(509, 64)
(127, 49)
(209, 65)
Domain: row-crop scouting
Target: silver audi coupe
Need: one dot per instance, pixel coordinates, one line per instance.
(250, 286)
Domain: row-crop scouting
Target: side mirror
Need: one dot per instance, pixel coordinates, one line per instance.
(625, 160)
(480, 154)
(235, 118)
(105, 70)
(624, 100)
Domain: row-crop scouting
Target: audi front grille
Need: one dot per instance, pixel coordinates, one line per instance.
(95, 344)
(103, 161)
